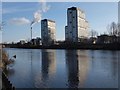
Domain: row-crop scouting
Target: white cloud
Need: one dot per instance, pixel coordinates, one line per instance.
(15, 10)
(37, 17)
(44, 6)
(19, 21)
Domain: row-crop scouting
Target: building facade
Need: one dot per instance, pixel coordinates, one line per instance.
(77, 25)
(107, 39)
(48, 29)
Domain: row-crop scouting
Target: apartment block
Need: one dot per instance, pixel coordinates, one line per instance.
(48, 29)
(77, 25)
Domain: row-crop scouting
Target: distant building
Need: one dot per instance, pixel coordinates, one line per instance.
(118, 39)
(36, 41)
(104, 39)
(77, 26)
(22, 42)
(48, 29)
(92, 40)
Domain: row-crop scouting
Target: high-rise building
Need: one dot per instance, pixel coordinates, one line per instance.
(77, 25)
(48, 32)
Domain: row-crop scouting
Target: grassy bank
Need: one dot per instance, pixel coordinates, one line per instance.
(6, 84)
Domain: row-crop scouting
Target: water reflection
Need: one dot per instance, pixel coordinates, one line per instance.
(10, 72)
(103, 69)
(72, 68)
(48, 67)
(114, 63)
(37, 68)
(83, 66)
(77, 67)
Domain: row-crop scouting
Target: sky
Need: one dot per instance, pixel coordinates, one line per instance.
(18, 16)
(61, 0)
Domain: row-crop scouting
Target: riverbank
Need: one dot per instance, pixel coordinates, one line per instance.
(6, 84)
(115, 46)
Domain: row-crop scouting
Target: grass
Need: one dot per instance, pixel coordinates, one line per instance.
(5, 59)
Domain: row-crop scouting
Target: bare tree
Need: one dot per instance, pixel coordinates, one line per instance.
(93, 33)
(118, 29)
(113, 29)
(108, 29)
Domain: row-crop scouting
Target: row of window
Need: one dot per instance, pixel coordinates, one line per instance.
(79, 15)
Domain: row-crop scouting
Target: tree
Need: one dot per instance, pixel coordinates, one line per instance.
(113, 30)
(93, 33)
(118, 29)
(108, 29)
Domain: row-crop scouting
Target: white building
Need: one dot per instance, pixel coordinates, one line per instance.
(48, 29)
(77, 26)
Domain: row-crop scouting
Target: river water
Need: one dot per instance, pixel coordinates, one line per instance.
(38, 68)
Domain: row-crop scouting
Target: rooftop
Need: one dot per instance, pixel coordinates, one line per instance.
(72, 8)
(48, 20)
(75, 8)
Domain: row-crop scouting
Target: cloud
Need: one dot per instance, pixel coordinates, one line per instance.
(19, 21)
(37, 17)
(44, 6)
(15, 9)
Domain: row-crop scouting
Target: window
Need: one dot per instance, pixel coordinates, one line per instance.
(48, 31)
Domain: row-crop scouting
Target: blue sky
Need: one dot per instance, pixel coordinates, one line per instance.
(98, 14)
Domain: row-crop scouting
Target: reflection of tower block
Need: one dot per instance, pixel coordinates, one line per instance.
(77, 66)
(83, 66)
(73, 68)
(48, 62)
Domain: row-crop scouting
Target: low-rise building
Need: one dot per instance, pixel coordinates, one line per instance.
(36, 41)
(104, 39)
(22, 42)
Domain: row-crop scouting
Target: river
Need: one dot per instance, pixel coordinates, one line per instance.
(37, 68)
